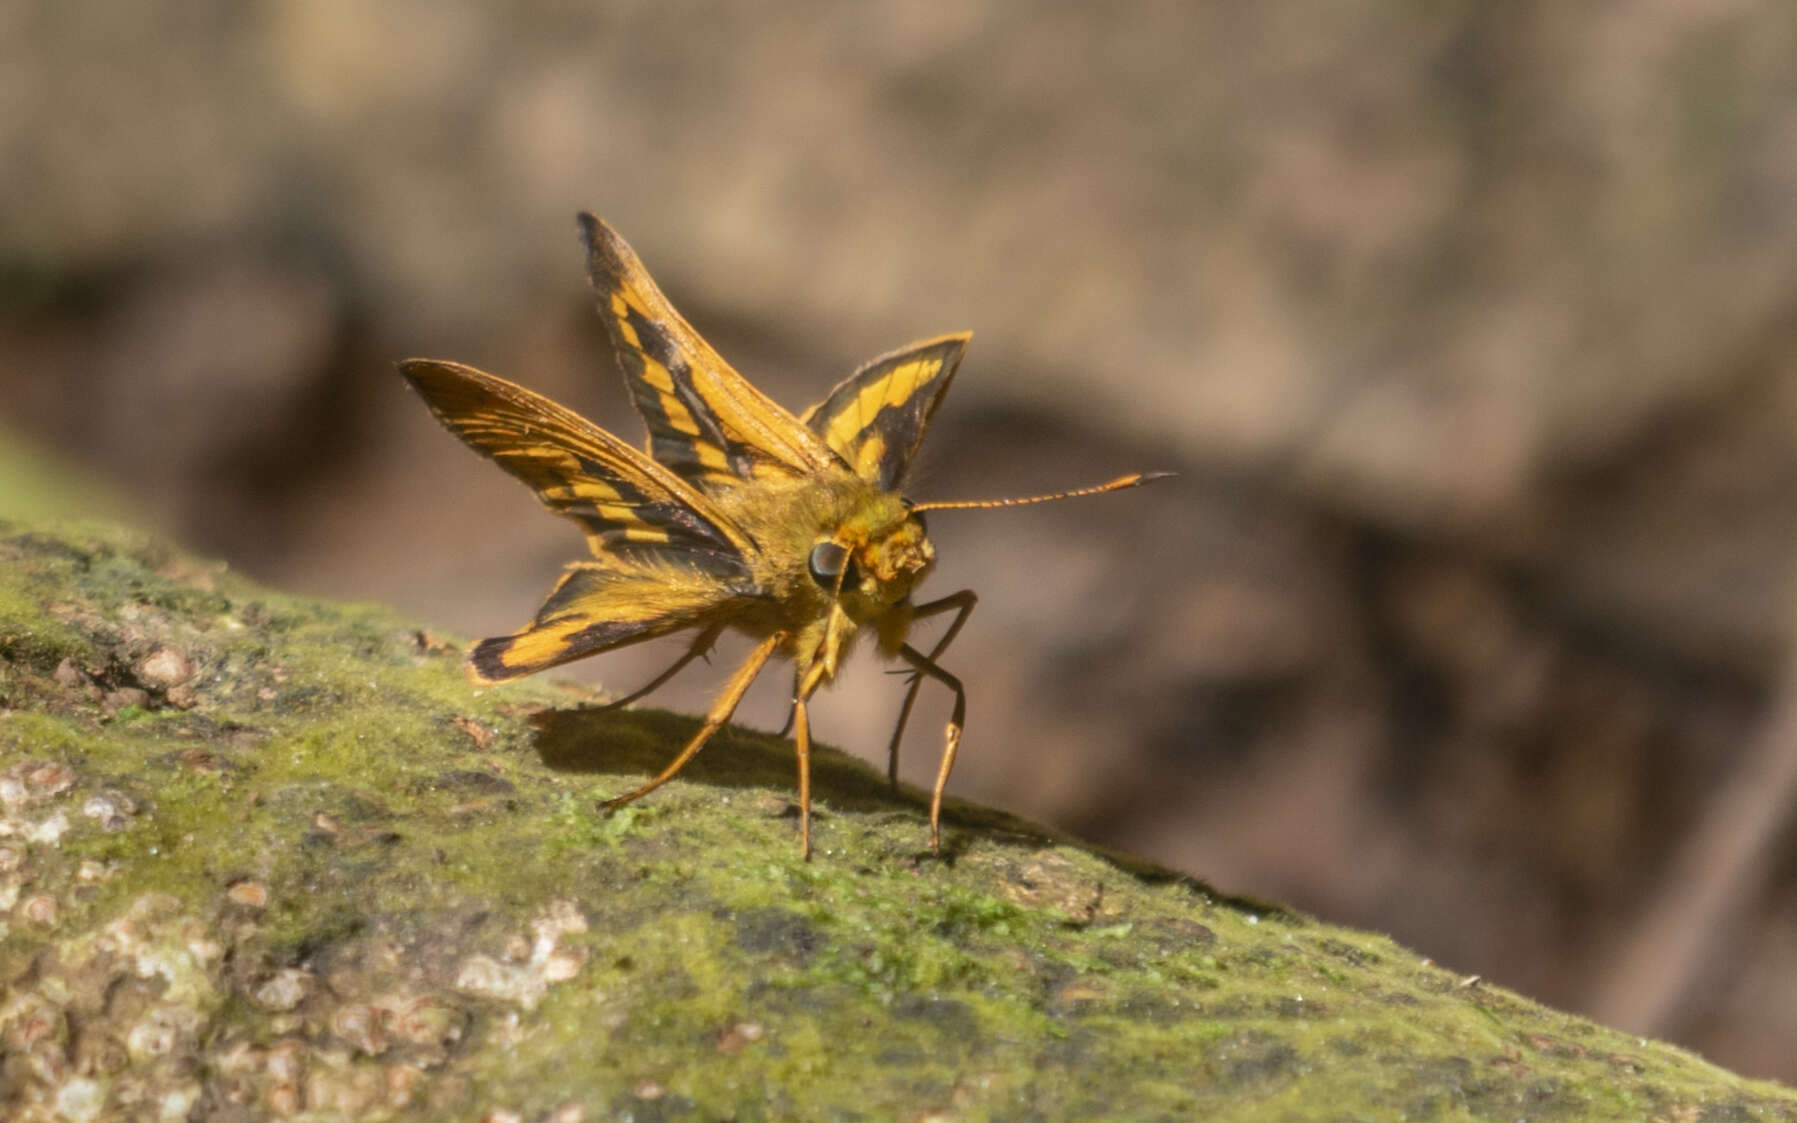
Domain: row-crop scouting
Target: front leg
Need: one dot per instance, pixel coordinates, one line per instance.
(962, 603)
(927, 666)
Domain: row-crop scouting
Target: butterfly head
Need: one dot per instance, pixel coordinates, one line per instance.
(874, 558)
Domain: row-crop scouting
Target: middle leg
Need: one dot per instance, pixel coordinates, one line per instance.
(714, 720)
(701, 645)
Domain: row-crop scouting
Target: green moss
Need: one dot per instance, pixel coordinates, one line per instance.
(41, 736)
(28, 634)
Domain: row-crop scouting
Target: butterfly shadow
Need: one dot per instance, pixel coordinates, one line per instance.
(636, 744)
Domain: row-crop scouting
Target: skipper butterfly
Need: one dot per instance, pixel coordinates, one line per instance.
(792, 530)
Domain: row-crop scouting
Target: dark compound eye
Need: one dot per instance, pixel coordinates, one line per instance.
(826, 563)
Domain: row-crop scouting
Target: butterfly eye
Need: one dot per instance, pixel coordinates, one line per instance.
(826, 564)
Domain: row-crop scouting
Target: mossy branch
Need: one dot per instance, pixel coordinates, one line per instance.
(261, 855)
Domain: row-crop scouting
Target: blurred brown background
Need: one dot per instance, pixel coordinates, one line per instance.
(1469, 328)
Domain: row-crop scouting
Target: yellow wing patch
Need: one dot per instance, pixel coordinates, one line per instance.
(875, 419)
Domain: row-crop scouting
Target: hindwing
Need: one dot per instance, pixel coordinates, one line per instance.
(599, 606)
(875, 418)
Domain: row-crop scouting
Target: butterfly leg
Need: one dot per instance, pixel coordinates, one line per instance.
(961, 604)
(700, 648)
(798, 680)
(801, 739)
(927, 666)
(806, 683)
(714, 720)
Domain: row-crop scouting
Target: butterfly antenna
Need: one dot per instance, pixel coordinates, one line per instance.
(1134, 479)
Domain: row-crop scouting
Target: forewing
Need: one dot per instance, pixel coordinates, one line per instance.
(598, 606)
(706, 423)
(628, 505)
(876, 417)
